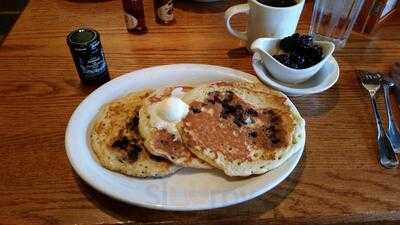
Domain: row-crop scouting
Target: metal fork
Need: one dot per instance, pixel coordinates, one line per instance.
(387, 157)
(392, 130)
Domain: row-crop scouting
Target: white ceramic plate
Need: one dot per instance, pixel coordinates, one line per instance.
(325, 78)
(188, 189)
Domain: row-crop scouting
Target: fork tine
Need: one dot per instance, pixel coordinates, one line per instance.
(369, 77)
(361, 75)
(377, 77)
(365, 77)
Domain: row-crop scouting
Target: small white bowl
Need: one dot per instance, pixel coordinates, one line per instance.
(325, 78)
(267, 47)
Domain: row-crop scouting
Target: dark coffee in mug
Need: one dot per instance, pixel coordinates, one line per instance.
(265, 20)
(278, 3)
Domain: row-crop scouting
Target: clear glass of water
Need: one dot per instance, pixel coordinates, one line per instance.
(333, 20)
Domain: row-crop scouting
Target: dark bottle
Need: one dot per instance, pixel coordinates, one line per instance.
(164, 11)
(134, 16)
(88, 55)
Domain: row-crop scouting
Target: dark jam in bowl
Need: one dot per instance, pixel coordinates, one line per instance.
(300, 52)
(88, 55)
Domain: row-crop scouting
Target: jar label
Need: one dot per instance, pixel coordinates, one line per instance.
(165, 12)
(91, 63)
(131, 21)
(93, 66)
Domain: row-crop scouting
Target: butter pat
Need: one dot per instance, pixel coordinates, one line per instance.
(178, 92)
(167, 113)
(172, 109)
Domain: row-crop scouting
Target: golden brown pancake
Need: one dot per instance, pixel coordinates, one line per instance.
(162, 142)
(116, 141)
(241, 128)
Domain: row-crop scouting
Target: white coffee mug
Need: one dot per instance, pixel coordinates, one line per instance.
(264, 20)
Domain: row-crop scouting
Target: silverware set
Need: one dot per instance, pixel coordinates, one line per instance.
(389, 139)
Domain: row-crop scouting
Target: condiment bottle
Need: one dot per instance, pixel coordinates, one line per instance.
(134, 16)
(164, 11)
(88, 55)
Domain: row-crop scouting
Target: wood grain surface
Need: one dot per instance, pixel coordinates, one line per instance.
(338, 181)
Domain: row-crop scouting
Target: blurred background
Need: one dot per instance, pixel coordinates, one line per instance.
(9, 12)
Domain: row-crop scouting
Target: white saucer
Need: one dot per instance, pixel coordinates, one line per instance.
(325, 78)
(188, 189)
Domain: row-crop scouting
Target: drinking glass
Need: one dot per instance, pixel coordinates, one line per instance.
(333, 20)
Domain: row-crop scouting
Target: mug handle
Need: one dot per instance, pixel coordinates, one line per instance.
(236, 9)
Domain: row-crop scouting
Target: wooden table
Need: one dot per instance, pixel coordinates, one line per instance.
(337, 182)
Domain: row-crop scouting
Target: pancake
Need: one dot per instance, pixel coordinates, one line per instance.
(166, 141)
(115, 139)
(241, 128)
